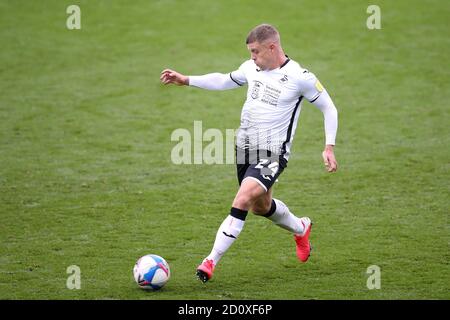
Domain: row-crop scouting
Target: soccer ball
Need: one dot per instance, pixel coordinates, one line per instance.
(151, 272)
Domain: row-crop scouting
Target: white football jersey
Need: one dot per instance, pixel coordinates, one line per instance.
(270, 113)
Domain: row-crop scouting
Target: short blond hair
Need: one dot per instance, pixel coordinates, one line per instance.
(262, 33)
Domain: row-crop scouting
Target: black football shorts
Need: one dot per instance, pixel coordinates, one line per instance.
(261, 165)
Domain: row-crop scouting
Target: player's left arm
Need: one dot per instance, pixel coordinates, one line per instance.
(330, 115)
(312, 89)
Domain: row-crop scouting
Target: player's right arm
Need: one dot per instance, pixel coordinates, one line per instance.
(210, 81)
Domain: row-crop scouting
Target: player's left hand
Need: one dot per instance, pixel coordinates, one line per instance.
(329, 159)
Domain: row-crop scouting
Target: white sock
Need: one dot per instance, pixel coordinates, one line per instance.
(285, 219)
(228, 232)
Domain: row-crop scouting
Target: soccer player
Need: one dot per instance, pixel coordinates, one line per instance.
(276, 87)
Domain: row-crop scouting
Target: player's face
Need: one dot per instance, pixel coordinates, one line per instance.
(262, 54)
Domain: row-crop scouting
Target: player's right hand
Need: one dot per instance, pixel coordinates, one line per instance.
(170, 76)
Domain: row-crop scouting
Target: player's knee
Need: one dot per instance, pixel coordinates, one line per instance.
(243, 201)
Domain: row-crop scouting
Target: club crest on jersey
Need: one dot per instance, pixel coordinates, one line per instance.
(256, 89)
(283, 80)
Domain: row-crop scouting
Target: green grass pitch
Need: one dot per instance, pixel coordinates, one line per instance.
(86, 176)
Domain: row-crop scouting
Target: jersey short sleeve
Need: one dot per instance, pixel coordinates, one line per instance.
(310, 86)
(238, 75)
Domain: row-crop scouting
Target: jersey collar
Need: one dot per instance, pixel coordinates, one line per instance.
(285, 62)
